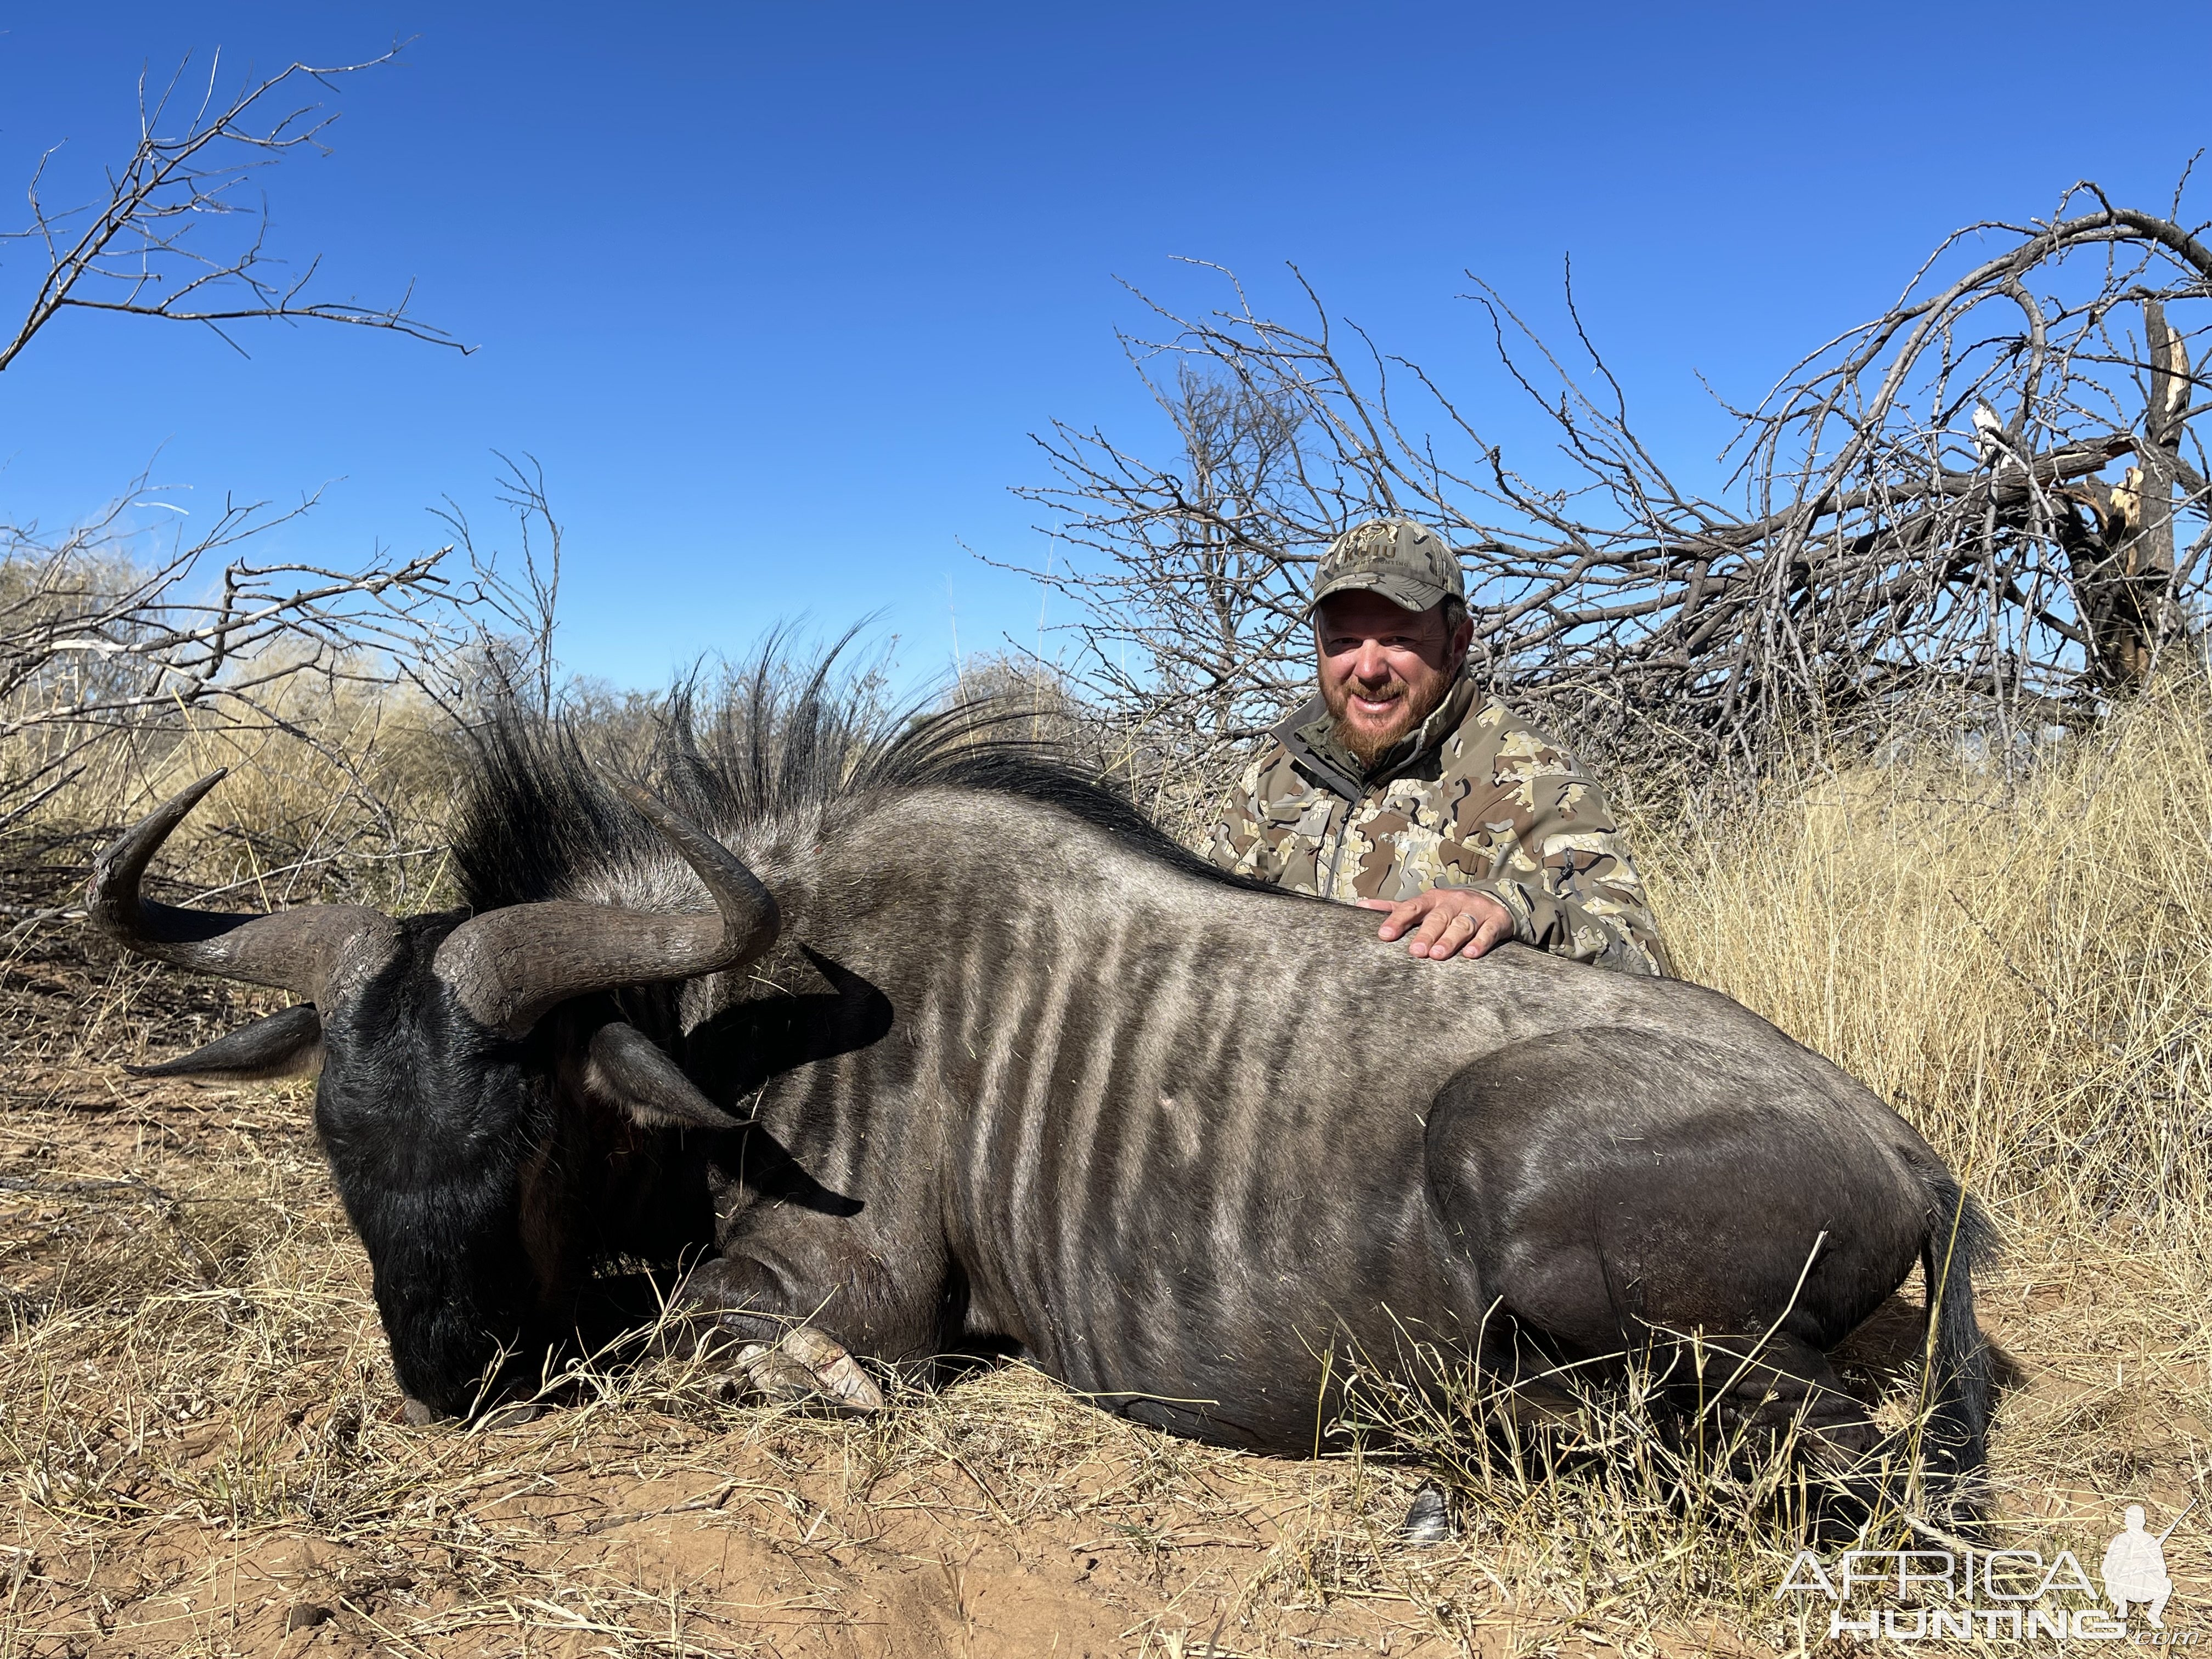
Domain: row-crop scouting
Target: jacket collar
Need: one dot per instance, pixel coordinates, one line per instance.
(1309, 734)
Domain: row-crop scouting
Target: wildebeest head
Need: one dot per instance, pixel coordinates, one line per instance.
(448, 1087)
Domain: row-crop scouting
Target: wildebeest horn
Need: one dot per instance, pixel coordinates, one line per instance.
(296, 950)
(508, 966)
(289, 1043)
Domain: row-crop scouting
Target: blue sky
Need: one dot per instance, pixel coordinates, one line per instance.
(777, 292)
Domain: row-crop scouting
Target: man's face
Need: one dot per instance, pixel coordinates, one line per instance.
(1383, 670)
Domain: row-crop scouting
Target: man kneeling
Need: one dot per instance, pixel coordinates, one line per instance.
(1400, 787)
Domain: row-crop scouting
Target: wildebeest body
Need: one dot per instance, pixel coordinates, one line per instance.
(1176, 1140)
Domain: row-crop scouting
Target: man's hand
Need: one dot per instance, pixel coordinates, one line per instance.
(1454, 922)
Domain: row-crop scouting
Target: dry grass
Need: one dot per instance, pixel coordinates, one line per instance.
(339, 795)
(2024, 967)
(201, 1440)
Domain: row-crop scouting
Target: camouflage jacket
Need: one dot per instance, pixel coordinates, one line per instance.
(1475, 797)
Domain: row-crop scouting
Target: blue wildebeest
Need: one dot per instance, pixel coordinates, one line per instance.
(928, 1044)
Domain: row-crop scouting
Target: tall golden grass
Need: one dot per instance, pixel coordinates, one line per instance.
(334, 793)
(2021, 961)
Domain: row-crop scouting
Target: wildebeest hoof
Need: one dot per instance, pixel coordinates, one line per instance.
(774, 1374)
(1428, 1520)
(804, 1365)
(424, 1416)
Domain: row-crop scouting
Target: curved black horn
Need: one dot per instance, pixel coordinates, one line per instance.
(507, 967)
(296, 950)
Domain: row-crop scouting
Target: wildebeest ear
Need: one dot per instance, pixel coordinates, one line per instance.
(627, 1070)
(289, 1044)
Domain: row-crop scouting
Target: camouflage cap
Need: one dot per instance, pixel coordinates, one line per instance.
(1407, 563)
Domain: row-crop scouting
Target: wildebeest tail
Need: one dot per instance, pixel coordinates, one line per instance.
(1960, 1238)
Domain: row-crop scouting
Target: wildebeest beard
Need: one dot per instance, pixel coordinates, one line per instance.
(1367, 746)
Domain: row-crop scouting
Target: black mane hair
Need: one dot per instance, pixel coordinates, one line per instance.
(537, 813)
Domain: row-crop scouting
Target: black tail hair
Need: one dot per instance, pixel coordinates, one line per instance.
(1960, 1238)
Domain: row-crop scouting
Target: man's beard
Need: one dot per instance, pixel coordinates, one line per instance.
(1366, 745)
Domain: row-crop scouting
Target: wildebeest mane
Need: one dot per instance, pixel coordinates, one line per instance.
(537, 812)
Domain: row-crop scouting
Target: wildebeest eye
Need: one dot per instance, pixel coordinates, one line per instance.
(288, 1045)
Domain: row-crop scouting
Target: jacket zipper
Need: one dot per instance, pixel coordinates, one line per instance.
(1336, 849)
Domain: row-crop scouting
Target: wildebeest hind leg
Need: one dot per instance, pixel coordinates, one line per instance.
(1770, 1387)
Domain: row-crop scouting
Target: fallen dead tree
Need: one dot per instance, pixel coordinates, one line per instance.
(1921, 508)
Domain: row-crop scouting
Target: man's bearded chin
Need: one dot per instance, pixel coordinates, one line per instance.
(1366, 744)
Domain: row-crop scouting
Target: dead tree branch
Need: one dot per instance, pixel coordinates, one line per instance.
(512, 608)
(99, 644)
(145, 250)
(1914, 510)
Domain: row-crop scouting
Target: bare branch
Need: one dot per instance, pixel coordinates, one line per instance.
(145, 250)
(1915, 509)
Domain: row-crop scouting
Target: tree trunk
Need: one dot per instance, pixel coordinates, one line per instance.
(2126, 585)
